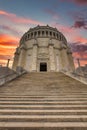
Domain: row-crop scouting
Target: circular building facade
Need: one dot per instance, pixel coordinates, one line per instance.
(43, 48)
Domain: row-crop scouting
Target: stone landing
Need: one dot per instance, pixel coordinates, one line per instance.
(43, 101)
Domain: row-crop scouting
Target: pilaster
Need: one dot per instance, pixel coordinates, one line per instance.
(51, 56)
(21, 61)
(34, 57)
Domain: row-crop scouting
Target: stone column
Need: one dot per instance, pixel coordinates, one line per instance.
(51, 56)
(34, 56)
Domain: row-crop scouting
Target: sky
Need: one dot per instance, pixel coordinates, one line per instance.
(68, 16)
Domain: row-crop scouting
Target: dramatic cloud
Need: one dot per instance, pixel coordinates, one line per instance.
(79, 18)
(78, 2)
(81, 2)
(7, 14)
(7, 40)
(7, 47)
(79, 47)
(80, 24)
(18, 19)
(79, 51)
(10, 30)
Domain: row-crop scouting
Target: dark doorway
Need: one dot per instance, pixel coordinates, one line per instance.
(43, 66)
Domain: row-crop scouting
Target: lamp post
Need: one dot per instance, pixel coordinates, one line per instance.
(8, 62)
(78, 62)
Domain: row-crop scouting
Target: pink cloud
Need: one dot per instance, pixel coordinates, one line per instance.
(80, 19)
(71, 34)
(78, 2)
(10, 29)
(80, 24)
(81, 2)
(6, 13)
(80, 39)
(18, 19)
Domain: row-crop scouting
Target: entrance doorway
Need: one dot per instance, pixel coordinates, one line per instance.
(43, 67)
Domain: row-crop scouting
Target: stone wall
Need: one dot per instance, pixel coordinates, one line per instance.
(7, 74)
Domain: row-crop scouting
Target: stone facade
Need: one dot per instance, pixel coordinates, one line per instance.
(43, 48)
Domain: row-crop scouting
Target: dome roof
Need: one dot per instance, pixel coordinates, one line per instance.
(43, 31)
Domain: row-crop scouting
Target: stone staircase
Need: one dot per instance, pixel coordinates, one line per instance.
(43, 101)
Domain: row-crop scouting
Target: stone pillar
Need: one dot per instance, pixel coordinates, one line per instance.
(21, 61)
(34, 56)
(57, 63)
(51, 56)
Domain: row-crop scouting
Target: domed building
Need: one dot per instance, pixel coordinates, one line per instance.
(43, 48)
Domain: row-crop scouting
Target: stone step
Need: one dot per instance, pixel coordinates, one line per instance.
(62, 92)
(42, 112)
(42, 103)
(11, 92)
(44, 118)
(44, 99)
(44, 125)
(42, 107)
(53, 96)
(43, 96)
(46, 105)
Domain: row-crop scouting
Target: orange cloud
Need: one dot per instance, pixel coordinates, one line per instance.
(7, 47)
(5, 38)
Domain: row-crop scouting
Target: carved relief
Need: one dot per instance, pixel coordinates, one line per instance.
(43, 56)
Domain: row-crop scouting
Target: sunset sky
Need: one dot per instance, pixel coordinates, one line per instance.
(68, 16)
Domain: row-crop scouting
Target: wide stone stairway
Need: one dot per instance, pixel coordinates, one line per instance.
(43, 101)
